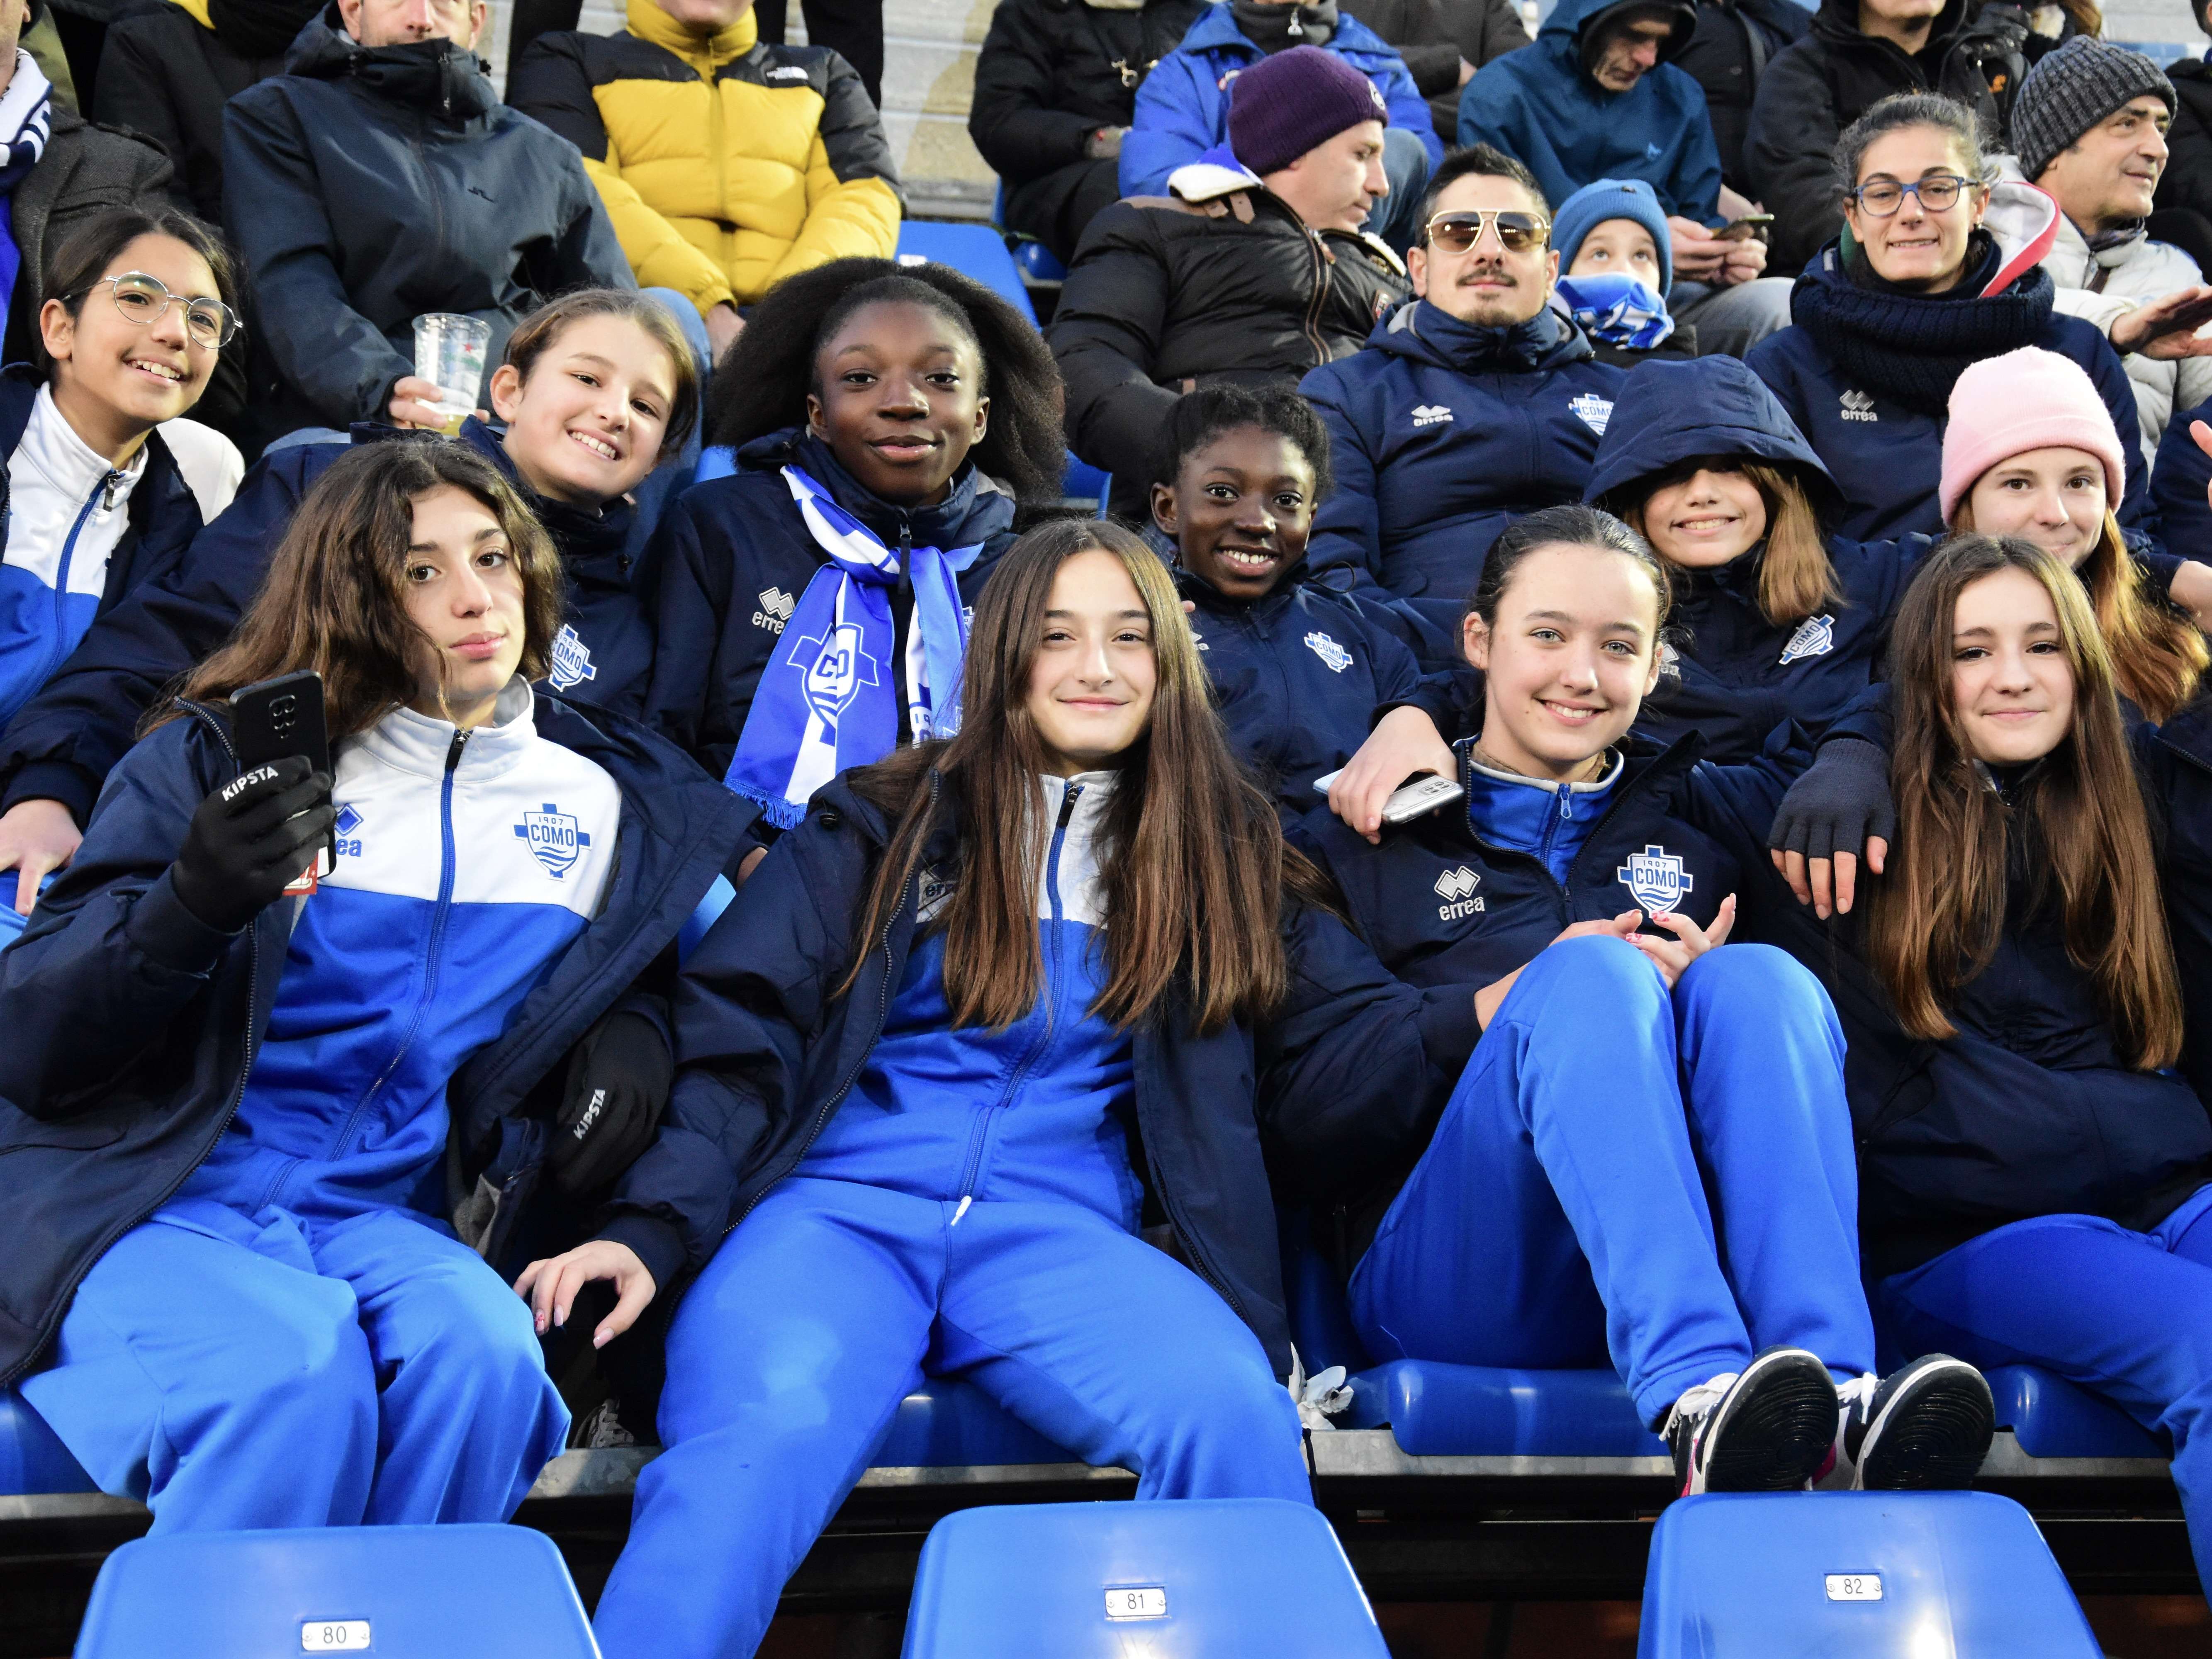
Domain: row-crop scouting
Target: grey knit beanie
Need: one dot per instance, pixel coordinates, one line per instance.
(2074, 88)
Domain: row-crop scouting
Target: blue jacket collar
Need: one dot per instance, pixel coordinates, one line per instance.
(1426, 334)
(1216, 31)
(975, 510)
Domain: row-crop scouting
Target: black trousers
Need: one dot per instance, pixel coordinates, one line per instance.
(853, 29)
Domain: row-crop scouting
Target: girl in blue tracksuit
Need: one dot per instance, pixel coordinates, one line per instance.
(1298, 668)
(106, 484)
(1888, 316)
(989, 1011)
(597, 371)
(233, 1288)
(1772, 620)
(1550, 1199)
(813, 604)
(2015, 988)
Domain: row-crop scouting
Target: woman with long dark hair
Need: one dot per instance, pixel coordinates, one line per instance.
(235, 1107)
(2035, 1174)
(986, 1014)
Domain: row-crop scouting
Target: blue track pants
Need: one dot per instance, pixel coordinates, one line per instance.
(2124, 1314)
(1664, 1179)
(829, 1305)
(278, 1371)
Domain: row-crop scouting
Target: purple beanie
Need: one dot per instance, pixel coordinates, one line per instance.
(1282, 106)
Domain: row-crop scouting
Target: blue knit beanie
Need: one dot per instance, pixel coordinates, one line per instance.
(1283, 105)
(1614, 198)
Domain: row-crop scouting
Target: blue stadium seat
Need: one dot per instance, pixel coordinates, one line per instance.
(715, 461)
(2051, 1418)
(1039, 265)
(2161, 52)
(1874, 1575)
(1438, 1410)
(1084, 485)
(952, 1424)
(397, 1592)
(32, 1460)
(1227, 1578)
(973, 251)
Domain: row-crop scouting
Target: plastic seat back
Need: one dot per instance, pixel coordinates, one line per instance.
(394, 1592)
(976, 252)
(1950, 1575)
(1223, 1578)
(946, 1424)
(2053, 1417)
(32, 1460)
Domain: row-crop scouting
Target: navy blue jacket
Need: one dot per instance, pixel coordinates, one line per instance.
(2177, 760)
(1298, 674)
(164, 517)
(1731, 674)
(1888, 459)
(1449, 913)
(62, 745)
(365, 186)
(132, 1024)
(2178, 480)
(767, 1051)
(1439, 438)
(732, 556)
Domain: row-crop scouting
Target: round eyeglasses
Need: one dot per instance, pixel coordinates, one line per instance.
(144, 300)
(1517, 232)
(1937, 192)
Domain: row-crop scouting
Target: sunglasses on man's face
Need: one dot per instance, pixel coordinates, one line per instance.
(1517, 231)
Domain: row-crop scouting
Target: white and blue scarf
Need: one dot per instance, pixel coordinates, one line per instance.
(25, 123)
(838, 705)
(1617, 308)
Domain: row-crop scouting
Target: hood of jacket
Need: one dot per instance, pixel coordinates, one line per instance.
(1837, 21)
(1216, 33)
(1424, 333)
(1574, 25)
(1667, 413)
(437, 76)
(974, 511)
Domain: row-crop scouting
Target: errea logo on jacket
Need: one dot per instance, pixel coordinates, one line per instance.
(1430, 414)
(776, 609)
(1857, 406)
(1456, 889)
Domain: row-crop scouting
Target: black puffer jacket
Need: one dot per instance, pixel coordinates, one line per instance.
(1167, 295)
(2187, 181)
(1819, 86)
(1727, 54)
(365, 187)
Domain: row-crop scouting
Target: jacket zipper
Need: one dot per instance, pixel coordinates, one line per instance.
(438, 915)
(1047, 994)
(1319, 291)
(237, 1094)
(102, 491)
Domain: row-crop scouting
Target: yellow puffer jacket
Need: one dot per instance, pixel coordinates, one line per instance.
(725, 164)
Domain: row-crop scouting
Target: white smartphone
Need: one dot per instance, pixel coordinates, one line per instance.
(1423, 794)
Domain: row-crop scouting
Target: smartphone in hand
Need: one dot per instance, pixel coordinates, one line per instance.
(276, 719)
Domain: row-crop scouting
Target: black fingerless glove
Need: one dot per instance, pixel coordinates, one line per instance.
(619, 1083)
(1838, 804)
(250, 840)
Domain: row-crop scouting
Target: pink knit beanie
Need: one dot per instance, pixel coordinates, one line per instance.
(2025, 399)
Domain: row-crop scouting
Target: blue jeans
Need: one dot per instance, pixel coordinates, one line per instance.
(2123, 1314)
(1664, 1179)
(827, 1307)
(236, 1372)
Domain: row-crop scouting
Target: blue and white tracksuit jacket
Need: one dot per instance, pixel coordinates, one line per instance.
(298, 1290)
(969, 1210)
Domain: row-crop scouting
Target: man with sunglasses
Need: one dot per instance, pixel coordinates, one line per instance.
(1253, 269)
(1478, 404)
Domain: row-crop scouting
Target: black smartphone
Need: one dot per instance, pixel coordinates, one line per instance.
(277, 719)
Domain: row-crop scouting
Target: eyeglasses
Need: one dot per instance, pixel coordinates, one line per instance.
(1937, 192)
(1517, 232)
(146, 299)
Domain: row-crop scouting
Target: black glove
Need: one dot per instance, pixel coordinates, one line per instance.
(618, 1083)
(1838, 804)
(250, 840)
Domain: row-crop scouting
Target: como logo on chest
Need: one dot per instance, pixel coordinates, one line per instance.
(554, 837)
(1815, 637)
(571, 659)
(1655, 879)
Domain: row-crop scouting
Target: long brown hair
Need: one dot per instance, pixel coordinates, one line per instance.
(2157, 658)
(1796, 576)
(335, 598)
(1194, 858)
(1935, 916)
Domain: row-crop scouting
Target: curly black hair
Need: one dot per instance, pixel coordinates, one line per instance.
(1200, 417)
(760, 386)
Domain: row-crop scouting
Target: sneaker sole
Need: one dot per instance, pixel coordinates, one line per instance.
(1776, 1428)
(1934, 1435)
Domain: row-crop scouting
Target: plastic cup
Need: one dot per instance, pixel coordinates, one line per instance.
(449, 353)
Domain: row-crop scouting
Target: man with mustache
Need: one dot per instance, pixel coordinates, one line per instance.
(1477, 403)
